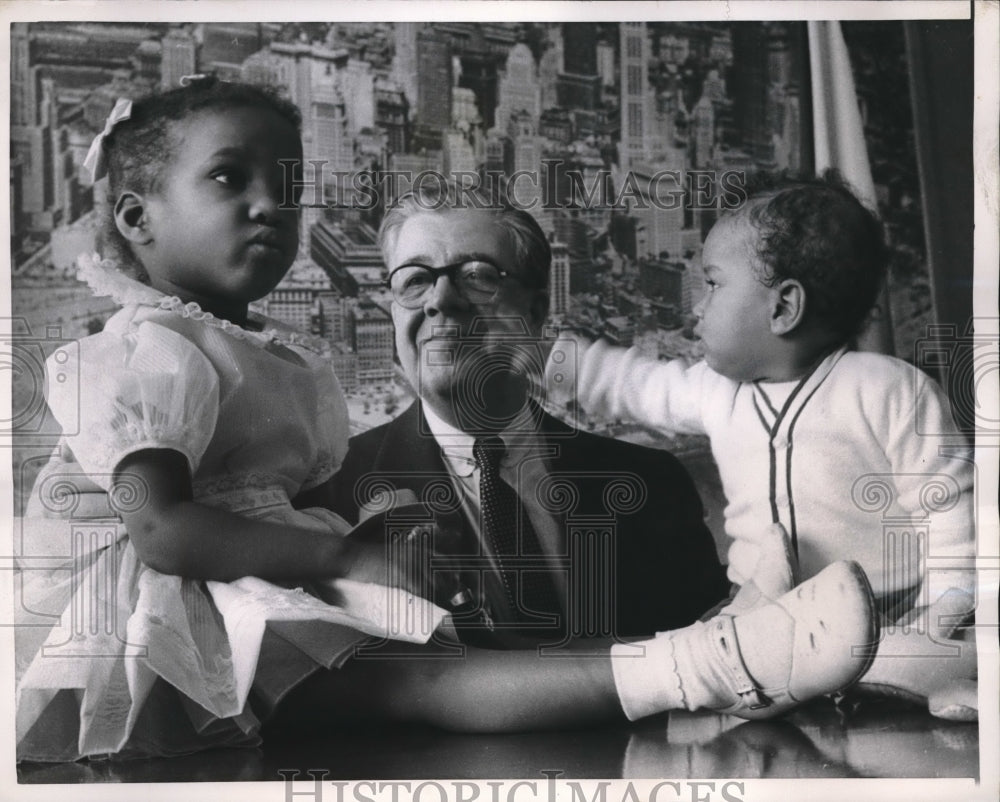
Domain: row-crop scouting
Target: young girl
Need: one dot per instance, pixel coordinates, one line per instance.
(214, 428)
(208, 426)
(823, 443)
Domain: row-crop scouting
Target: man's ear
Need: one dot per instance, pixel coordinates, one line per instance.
(788, 306)
(131, 218)
(539, 308)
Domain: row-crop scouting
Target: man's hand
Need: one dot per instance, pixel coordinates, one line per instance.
(386, 551)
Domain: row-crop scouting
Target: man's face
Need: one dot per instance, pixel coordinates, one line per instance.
(457, 353)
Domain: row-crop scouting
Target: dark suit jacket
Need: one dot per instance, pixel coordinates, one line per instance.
(666, 572)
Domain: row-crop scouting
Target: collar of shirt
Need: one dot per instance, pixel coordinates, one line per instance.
(456, 445)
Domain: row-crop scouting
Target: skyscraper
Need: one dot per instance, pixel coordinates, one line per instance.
(559, 278)
(434, 82)
(635, 93)
(749, 85)
(404, 59)
(22, 77)
(179, 57)
(519, 89)
(580, 48)
(526, 178)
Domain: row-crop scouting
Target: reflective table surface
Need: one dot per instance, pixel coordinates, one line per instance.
(874, 738)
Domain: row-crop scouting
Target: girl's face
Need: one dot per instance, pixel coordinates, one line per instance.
(219, 236)
(734, 316)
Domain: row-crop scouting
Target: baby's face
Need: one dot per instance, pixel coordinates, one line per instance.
(734, 315)
(220, 236)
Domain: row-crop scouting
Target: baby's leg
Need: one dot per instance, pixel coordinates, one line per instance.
(775, 569)
(814, 640)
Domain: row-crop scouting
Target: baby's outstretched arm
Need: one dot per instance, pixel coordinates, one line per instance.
(612, 382)
(174, 534)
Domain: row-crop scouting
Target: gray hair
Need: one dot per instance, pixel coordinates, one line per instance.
(531, 247)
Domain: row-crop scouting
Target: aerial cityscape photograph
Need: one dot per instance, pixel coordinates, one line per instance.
(624, 139)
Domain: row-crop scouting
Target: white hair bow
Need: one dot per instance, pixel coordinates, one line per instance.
(96, 161)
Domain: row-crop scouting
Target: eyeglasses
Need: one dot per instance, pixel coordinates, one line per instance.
(477, 281)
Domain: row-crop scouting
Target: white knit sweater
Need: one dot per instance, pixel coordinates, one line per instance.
(860, 460)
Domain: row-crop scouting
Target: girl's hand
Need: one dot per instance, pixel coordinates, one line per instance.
(386, 551)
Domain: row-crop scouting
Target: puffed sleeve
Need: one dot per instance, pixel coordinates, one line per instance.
(332, 426)
(115, 394)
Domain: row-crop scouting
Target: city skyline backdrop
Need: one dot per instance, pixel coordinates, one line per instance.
(621, 138)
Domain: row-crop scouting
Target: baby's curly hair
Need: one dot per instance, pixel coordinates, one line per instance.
(139, 150)
(816, 231)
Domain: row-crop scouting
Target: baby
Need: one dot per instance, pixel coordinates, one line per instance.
(799, 424)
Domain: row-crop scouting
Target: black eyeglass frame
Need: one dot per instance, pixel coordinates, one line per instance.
(450, 270)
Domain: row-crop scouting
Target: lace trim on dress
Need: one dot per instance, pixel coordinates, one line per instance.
(105, 279)
(239, 481)
(325, 467)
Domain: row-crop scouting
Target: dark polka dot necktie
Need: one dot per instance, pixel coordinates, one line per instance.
(511, 537)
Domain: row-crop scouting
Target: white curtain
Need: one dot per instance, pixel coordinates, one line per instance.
(839, 141)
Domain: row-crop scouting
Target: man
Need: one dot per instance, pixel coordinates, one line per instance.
(469, 308)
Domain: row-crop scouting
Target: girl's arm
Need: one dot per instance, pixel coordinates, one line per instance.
(174, 534)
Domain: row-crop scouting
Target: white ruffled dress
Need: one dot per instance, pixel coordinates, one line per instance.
(114, 658)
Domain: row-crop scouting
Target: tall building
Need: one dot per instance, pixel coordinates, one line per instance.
(434, 82)
(392, 115)
(606, 63)
(23, 106)
(578, 91)
(550, 66)
(225, 46)
(559, 278)
(519, 89)
(464, 110)
(339, 247)
(480, 48)
(356, 82)
(306, 301)
(479, 72)
(457, 153)
(372, 338)
(404, 59)
(701, 144)
(498, 153)
(33, 146)
(635, 93)
(179, 57)
(526, 176)
(749, 84)
(580, 48)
